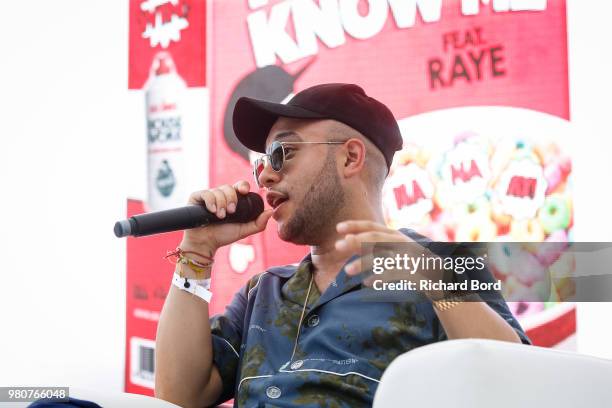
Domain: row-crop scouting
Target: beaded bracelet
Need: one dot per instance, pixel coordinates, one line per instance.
(178, 252)
(198, 267)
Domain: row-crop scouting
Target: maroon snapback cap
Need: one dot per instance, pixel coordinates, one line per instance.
(346, 103)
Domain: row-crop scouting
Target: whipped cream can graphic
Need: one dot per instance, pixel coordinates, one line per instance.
(165, 161)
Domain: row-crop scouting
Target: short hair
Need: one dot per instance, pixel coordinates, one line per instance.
(375, 164)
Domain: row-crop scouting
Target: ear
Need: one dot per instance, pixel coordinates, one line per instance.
(354, 157)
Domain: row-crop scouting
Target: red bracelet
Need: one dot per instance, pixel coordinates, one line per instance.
(178, 252)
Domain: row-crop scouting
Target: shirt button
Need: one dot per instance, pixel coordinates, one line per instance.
(313, 321)
(296, 364)
(273, 392)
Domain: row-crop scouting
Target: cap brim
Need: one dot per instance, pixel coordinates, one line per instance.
(253, 119)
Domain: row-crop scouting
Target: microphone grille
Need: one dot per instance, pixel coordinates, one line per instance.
(249, 207)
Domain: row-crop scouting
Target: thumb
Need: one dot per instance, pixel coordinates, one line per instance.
(257, 225)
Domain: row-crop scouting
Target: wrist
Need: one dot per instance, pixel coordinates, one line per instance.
(202, 252)
(186, 271)
(194, 262)
(450, 302)
(198, 287)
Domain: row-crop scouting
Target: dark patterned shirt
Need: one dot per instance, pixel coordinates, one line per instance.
(344, 344)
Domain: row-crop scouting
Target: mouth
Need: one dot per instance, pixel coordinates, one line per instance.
(275, 199)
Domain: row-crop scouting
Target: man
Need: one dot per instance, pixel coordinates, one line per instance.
(305, 335)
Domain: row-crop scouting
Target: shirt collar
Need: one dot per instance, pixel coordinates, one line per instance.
(286, 271)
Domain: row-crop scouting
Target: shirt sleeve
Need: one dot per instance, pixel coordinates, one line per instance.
(494, 299)
(226, 330)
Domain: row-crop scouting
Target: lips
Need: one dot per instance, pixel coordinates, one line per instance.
(275, 198)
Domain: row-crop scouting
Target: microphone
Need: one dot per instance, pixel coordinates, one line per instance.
(248, 208)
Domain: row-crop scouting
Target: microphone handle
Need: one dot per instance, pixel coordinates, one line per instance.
(248, 208)
(187, 217)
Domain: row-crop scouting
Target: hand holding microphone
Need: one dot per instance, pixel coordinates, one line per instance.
(214, 218)
(222, 201)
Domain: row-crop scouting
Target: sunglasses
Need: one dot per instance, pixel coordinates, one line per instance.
(276, 156)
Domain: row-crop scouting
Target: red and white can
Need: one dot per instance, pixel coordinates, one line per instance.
(165, 161)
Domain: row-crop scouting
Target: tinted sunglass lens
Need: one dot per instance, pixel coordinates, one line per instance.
(277, 157)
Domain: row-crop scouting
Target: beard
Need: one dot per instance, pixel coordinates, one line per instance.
(316, 216)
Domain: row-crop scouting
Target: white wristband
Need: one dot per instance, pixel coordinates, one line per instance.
(198, 287)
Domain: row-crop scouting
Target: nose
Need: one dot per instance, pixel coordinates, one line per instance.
(268, 177)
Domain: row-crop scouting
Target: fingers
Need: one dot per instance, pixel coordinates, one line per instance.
(354, 267)
(242, 187)
(257, 225)
(352, 244)
(360, 264)
(361, 232)
(221, 200)
(231, 197)
(204, 197)
(261, 221)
